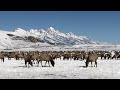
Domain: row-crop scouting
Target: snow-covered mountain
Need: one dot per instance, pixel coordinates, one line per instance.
(21, 38)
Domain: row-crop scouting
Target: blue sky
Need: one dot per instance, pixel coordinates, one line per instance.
(97, 25)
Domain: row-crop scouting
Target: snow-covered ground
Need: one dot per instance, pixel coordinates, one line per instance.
(64, 69)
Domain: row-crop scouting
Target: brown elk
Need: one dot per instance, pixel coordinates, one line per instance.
(92, 57)
(46, 57)
(2, 56)
(28, 60)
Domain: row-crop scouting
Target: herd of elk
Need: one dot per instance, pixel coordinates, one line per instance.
(49, 56)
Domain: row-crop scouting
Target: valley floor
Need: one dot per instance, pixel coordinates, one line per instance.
(64, 69)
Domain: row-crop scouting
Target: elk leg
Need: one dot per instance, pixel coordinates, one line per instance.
(41, 64)
(38, 63)
(87, 64)
(25, 63)
(45, 63)
(31, 63)
(3, 59)
(49, 63)
(91, 64)
(96, 63)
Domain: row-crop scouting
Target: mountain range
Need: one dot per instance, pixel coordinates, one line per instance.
(20, 38)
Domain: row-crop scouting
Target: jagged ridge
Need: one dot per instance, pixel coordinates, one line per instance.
(37, 37)
(55, 37)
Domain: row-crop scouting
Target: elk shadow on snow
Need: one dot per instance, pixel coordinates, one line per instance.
(82, 66)
(21, 66)
(63, 76)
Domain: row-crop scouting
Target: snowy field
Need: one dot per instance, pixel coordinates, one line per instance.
(66, 48)
(64, 69)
